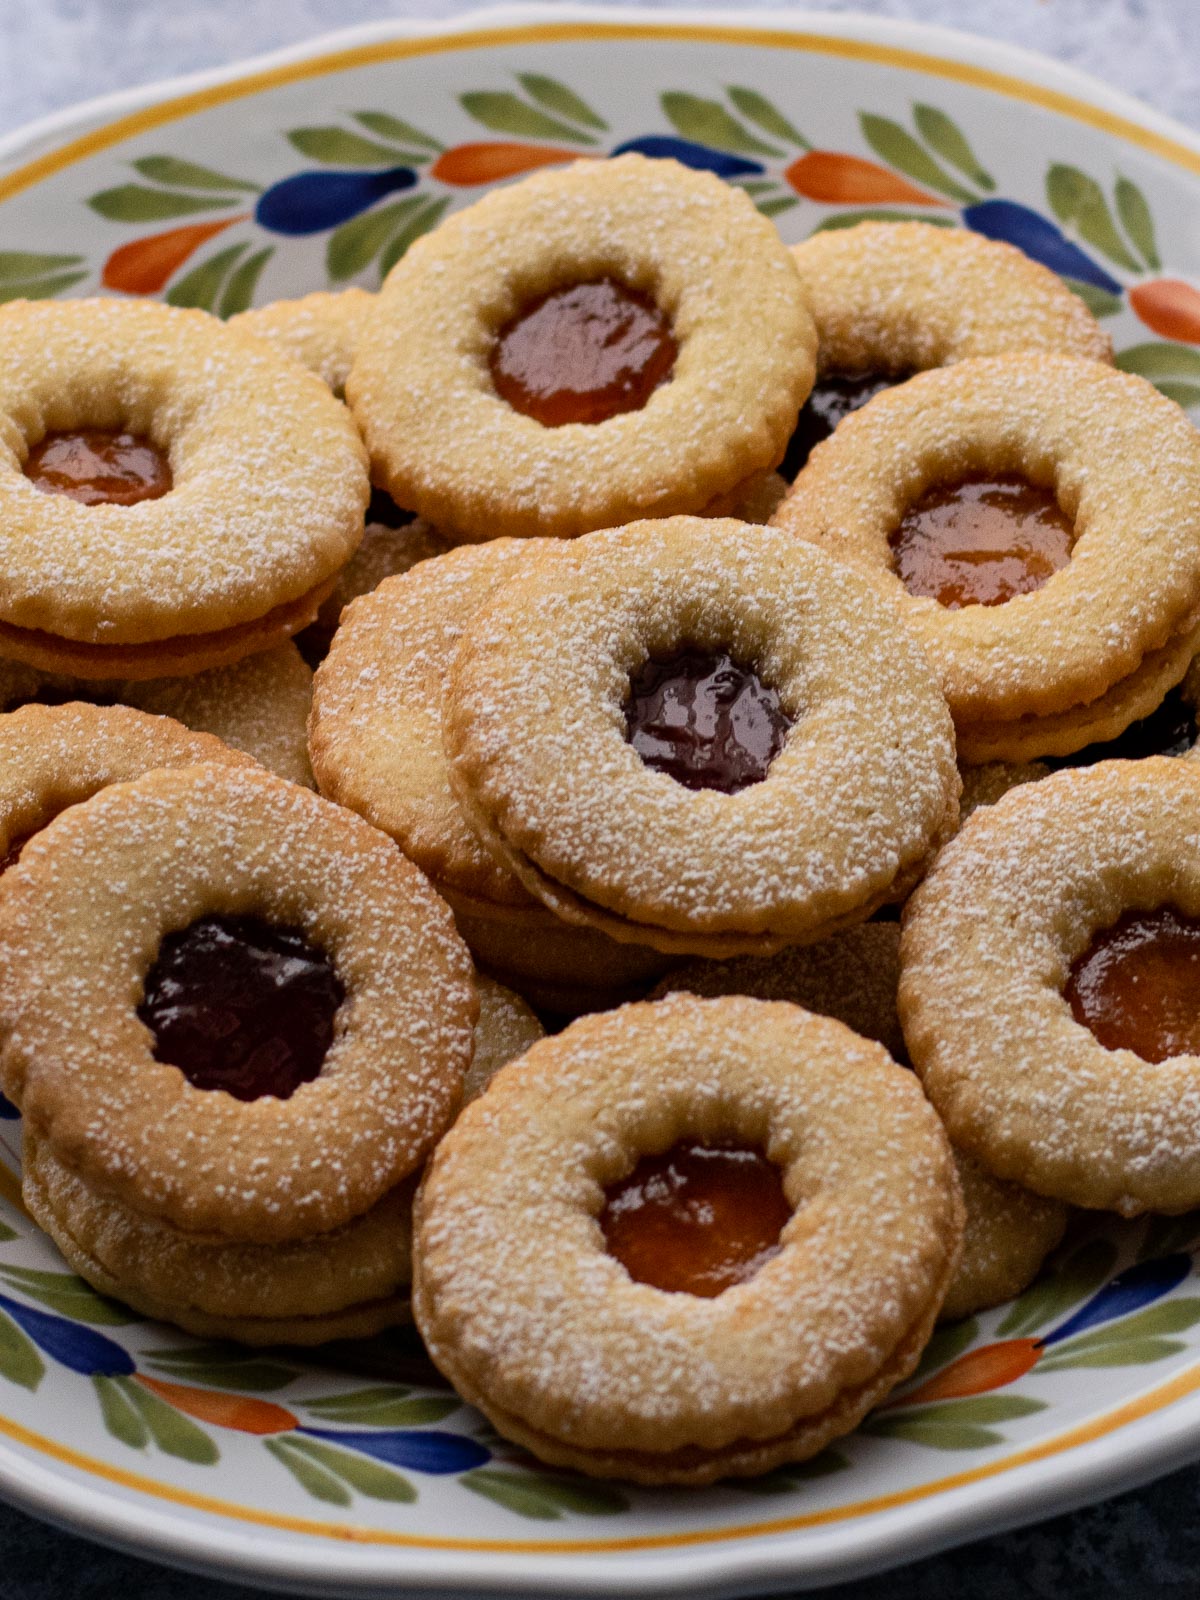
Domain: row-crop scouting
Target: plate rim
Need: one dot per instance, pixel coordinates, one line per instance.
(1126, 1455)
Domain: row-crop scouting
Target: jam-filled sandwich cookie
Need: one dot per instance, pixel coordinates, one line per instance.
(686, 1241)
(323, 331)
(701, 736)
(1048, 987)
(376, 743)
(1055, 589)
(620, 339)
(130, 436)
(241, 1056)
(259, 704)
(890, 299)
(52, 757)
(348, 1284)
(852, 977)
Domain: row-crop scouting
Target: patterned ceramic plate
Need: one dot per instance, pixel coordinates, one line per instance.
(359, 1472)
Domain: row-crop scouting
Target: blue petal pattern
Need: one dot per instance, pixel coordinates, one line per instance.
(80, 1348)
(1039, 238)
(1129, 1291)
(311, 202)
(418, 1449)
(664, 147)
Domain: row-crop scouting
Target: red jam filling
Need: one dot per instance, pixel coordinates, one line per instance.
(696, 1220)
(99, 468)
(705, 721)
(833, 399)
(1137, 985)
(240, 1005)
(981, 542)
(583, 353)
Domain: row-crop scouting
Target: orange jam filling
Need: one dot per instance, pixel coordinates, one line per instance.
(697, 1219)
(981, 542)
(583, 353)
(99, 468)
(1137, 985)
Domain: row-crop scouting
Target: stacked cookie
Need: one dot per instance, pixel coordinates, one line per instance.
(612, 728)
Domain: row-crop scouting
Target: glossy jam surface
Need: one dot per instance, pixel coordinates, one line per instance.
(981, 542)
(241, 1005)
(697, 1219)
(705, 721)
(1168, 731)
(1137, 985)
(99, 468)
(833, 398)
(583, 353)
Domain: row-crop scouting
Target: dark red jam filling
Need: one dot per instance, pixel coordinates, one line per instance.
(583, 353)
(981, 541)
(383, 509)
(99, 467)
(241, 1005)
(1137, 985)
(705, 721)
(833, 399)
(696, 1220)
(1168, 731)
(13, 854)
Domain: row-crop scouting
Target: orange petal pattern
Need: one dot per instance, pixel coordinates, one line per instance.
(144, 266)
(1169, 307)
(835, 179)
(238, 1411)
(467, 165)
(978, 1372)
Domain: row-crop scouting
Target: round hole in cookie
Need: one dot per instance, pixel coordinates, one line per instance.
(697, 1219)
(705, 720)
(241, 1005)
(982, 540)
(1137, 985)
(584, 352)
(833, 398)
(99, 466)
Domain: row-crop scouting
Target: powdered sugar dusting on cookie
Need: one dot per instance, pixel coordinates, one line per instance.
(269, 474)
(445, 444)
(535, 730)
(523, 1308)
(898, 297)
(1133, 580)
(988, 942)
(81, 920)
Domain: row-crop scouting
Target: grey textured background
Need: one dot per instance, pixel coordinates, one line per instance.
(56, 52)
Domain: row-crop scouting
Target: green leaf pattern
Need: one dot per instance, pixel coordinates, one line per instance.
(69, 1296)
(20, 1362)
(504, 112)
(385, 1407)
(895, 145)
(708, 122)
(944, 136)
(1078, 202)
(224, 1366)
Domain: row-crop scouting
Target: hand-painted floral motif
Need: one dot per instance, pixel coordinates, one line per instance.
(376, 183)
